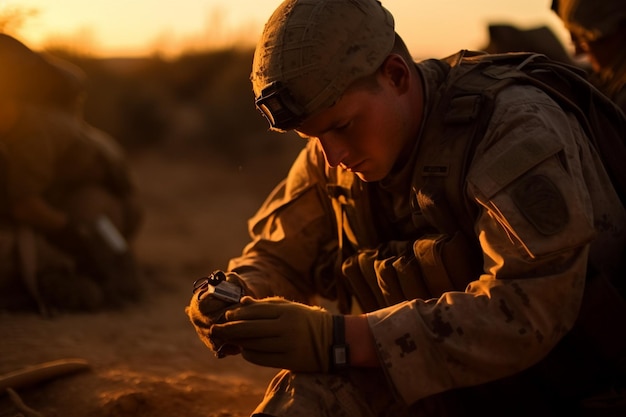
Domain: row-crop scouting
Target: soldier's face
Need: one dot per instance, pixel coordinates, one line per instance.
(365, 131)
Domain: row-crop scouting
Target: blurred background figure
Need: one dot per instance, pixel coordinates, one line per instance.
(508, 38)
(598, 30)
(69, 208)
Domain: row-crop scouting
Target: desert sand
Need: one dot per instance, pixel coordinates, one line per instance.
(146, 360)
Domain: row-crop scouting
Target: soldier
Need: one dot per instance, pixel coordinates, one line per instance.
(598, 30)
(508, 38)
(70, 207)
(438, 315)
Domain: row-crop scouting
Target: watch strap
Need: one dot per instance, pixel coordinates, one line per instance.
(339, 349)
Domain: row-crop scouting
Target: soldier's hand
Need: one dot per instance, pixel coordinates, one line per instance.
(204, 310)
(277, 333)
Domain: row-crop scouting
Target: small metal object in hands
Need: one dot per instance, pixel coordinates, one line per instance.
(217, 285)
(221, 289)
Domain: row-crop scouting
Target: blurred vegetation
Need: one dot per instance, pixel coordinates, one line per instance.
(200, 100)
(12, 17)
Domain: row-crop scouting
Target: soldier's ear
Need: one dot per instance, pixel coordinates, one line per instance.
(396, 72)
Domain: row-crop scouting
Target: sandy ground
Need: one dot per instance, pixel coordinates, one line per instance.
(146, 360)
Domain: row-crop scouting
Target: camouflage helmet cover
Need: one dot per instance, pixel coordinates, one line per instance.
(310, 51)
(590, 20)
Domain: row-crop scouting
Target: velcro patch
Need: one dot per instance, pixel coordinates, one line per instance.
(541, 203)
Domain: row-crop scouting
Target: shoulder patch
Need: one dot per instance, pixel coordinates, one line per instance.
(541, 203)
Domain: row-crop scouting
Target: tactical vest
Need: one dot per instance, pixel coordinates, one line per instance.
(443, 253)
(380, 273)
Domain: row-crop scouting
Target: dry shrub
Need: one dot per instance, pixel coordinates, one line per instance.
(200, 100)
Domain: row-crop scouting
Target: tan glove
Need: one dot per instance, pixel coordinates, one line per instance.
(277, 333)
(205, 309)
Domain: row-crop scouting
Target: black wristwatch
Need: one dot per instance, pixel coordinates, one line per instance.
(339, 349)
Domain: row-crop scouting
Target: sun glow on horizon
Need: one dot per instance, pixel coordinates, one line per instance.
(169, 27)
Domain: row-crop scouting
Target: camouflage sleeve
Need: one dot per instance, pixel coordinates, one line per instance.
(288, 233)
(530, 180)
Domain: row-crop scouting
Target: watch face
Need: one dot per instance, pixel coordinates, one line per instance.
(340, 355)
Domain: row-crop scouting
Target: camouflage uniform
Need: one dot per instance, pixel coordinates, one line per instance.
(78, 170)
(503, 323)
(461, 326)
(50, 153)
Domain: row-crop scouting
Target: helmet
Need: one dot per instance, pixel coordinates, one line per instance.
(310, 51)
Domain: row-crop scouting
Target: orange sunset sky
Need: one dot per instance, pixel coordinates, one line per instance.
(432, 28)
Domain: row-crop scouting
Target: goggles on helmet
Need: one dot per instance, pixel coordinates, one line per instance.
(279, 108)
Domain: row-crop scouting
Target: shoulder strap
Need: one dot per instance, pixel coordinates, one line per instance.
(603, 121)
(461, 112)
(454, 125)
